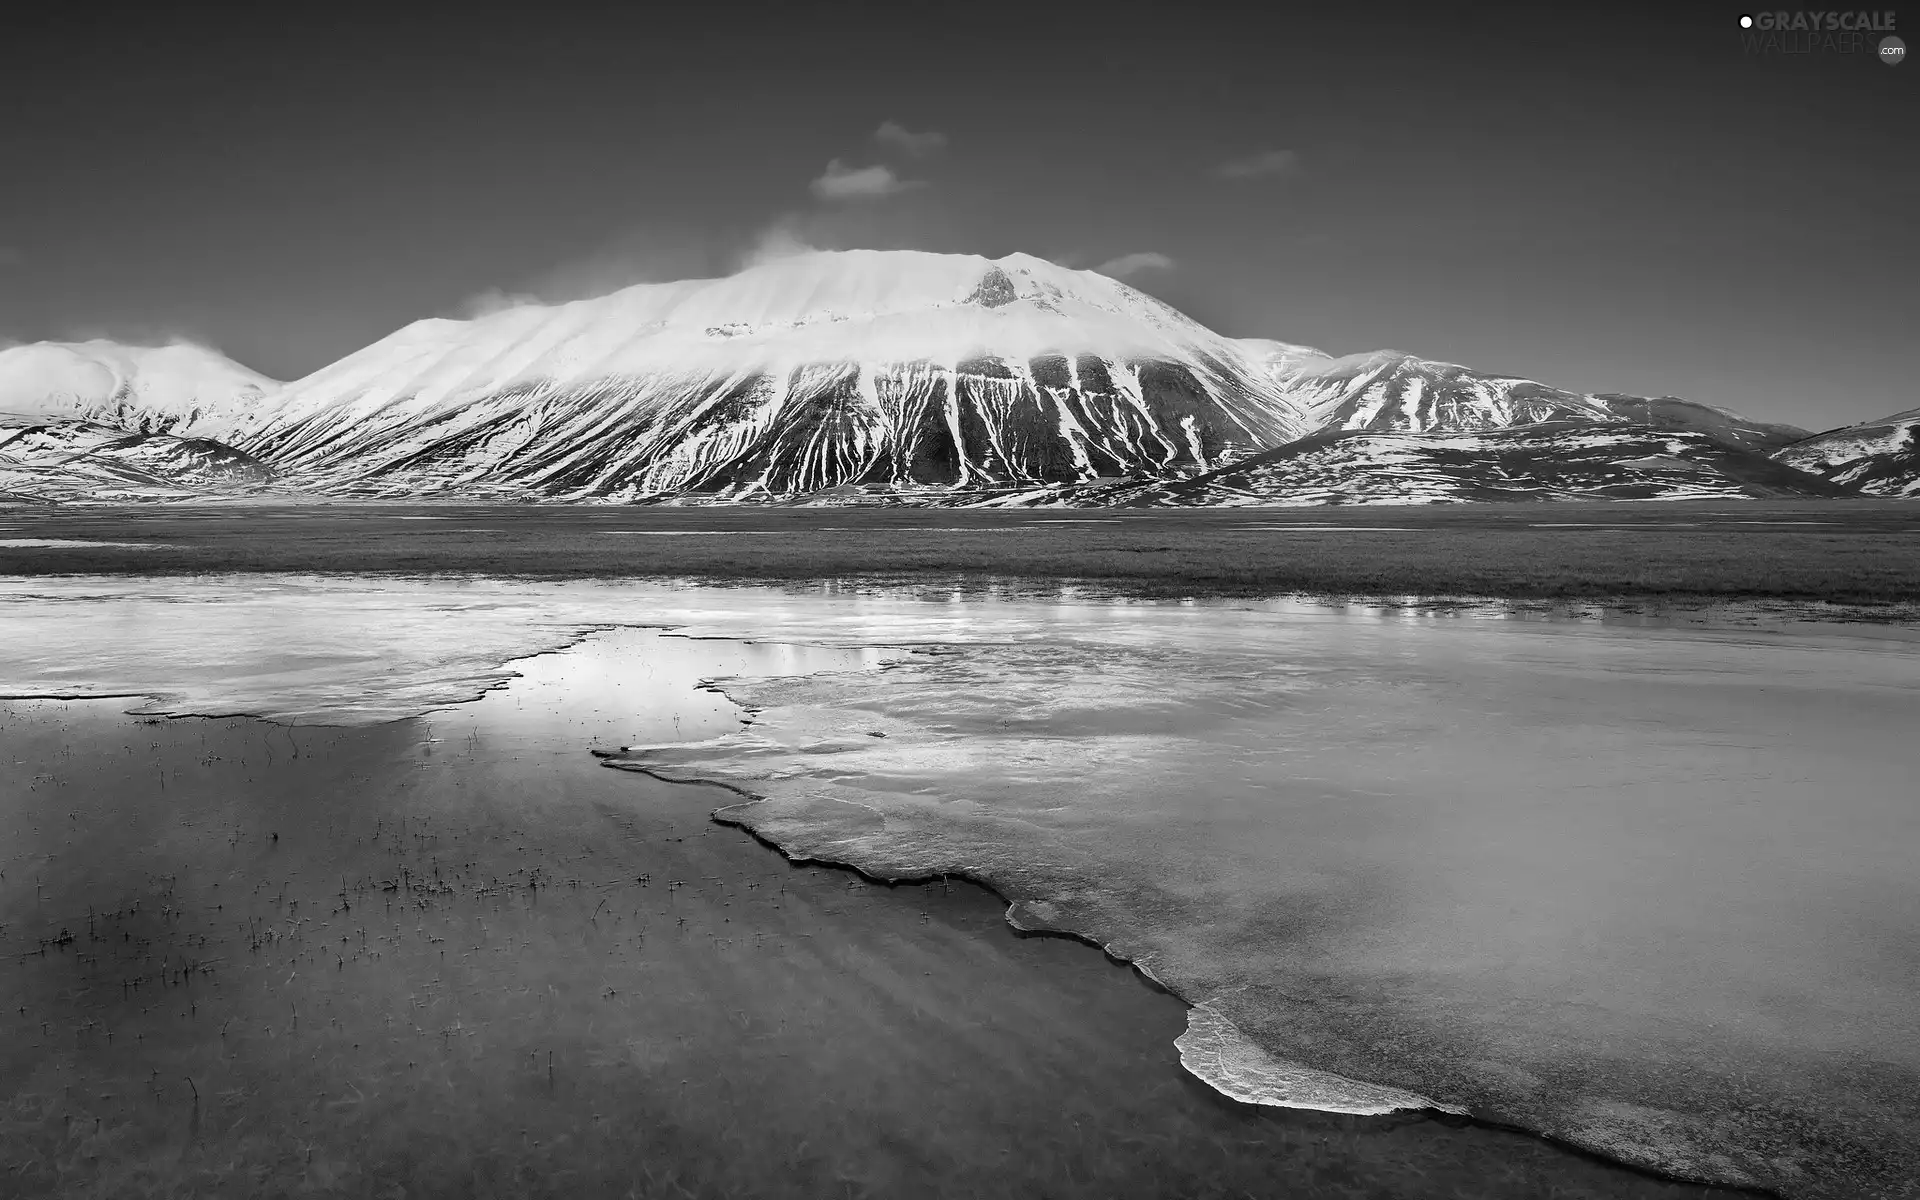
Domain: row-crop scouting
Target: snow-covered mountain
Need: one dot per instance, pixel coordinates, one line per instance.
(1389, 392)
(809, 373)
(68, 461)
(1881, 458)
(1548, 460)
(892, 377)
(180, 388)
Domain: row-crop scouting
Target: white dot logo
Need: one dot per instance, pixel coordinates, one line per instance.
(1746, 22)
(1893, 51)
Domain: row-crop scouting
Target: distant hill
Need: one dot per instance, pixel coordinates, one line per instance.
(179, 388)
(1557, 460)
(68, 461)
(1881, 458)
(1389, 392)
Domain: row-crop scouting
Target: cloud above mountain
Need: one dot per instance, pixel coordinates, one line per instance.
(1264, 165)
(895, 136)
(782, 239)
(841, 182)
(844, 215)
(1133, 264)
(660, 252)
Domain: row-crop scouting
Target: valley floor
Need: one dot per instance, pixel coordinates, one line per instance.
(1858, 556)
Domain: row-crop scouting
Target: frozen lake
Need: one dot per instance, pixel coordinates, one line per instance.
(1650, 890)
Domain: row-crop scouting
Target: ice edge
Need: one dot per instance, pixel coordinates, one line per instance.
(1212, 1050)
(1215, 1052)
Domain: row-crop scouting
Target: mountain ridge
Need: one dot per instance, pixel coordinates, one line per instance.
(843, 376)
(1390, 391)
(1544, 461)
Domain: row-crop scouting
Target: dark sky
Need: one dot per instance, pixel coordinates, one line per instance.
(1605, 198)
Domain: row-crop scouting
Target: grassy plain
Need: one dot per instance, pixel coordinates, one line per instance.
(1849, 552)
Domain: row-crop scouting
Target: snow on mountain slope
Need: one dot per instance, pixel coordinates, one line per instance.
(1557, 460)
(1388, 392)
(805, 374)
(65, 461)
(1671, 412)
(1881, 458)
(180, 388)
(1282, 360)
(866, 377)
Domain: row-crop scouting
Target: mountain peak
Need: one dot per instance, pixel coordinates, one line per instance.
(994, 289)
(807, 372)
(833, 284)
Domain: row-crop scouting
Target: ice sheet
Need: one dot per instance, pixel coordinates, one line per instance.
(1647, 890)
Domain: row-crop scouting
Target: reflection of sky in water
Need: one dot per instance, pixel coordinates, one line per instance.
(626, 687)
(1649, 889)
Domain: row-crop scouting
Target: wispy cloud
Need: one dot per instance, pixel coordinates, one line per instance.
(1263, 165)
(841, 217)
(782, 239)
(133, 333)
(9, 256)
(841, 182)
(494, 300)
(896, 136)
(653, 253)
(1133, 264)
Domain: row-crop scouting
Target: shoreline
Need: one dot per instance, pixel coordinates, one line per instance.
(1443, 1113)
(996, 992)
(1427, 1107)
